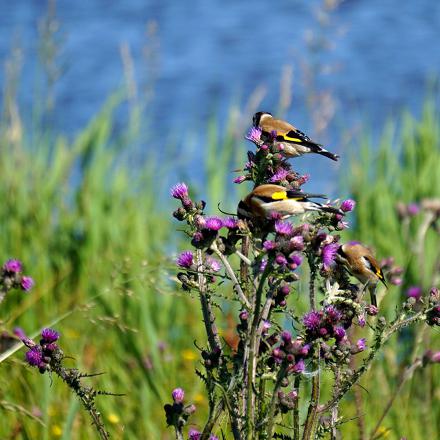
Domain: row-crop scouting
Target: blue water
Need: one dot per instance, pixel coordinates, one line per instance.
(212, 53)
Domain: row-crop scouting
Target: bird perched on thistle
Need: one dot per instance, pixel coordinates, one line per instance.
(291, 141)
(276, 202)
(361, 263)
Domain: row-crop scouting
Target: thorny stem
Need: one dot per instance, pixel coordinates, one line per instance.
(253, 353)
(334, 412)
(208, 315)
(296, 386)
(360, 419)
(272, 406)
(382, 336)
(313, 271)
(214, 416)
(244, 268)
(312, 412)
(231, 274)
(86, 395)
(405, 376)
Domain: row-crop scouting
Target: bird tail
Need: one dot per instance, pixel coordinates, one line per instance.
(243, 211)
(301, 195)
(318, 149)
(326, 153)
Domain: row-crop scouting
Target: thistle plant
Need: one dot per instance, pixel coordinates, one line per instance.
(269, 385)
(46, 355)
(11, 277)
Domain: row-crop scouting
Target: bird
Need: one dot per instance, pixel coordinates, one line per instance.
(360, 262)
(266, 201)
(293, 142)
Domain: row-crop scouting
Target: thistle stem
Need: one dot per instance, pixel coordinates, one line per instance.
(296, 385)
(208, 315)
(312, 412)
(253, 353)
(232, 276)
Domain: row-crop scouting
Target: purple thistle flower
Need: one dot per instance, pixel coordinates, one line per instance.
(179, 191)
(27, 283)
(269, 245)
(239, 179)
(178, 395)
(254, 135)
(286, 336)
(274, 215)
(343, 225)
(185, 259)
(413, 209)
(339, 333)
(361, 344)
(244, 315)
(280, 175)
(213, 437)
(197, 237)
(361, 320)
(49, 335)
(51, 347)
(199, 221)
(34, 356)
(297, 243)
(414, 292)
(328, 254)
(213, 264)
(19, 332)
(281, 259)
(213, 223)
(249, 165)
(435, 357)
(283, 228)
(305, 350)
(266, 325)
(285, 290)
(230, 223)
(396, 281)
(263, 265)
(303, 179)
(348, 205)
(299, 367)
(312, 320)
(193, 434)
(371, 310)
(296, 259)
(13, 266)
(332, 314)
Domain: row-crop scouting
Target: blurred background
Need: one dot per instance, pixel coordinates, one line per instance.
(105, 105)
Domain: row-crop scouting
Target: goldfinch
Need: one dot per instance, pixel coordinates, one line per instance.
(361, 263)
(284, 135)
(268, 200)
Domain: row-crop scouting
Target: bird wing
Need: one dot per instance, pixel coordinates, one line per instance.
(373, 265)
(294, 195)
(293, 135)
(301, 195)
